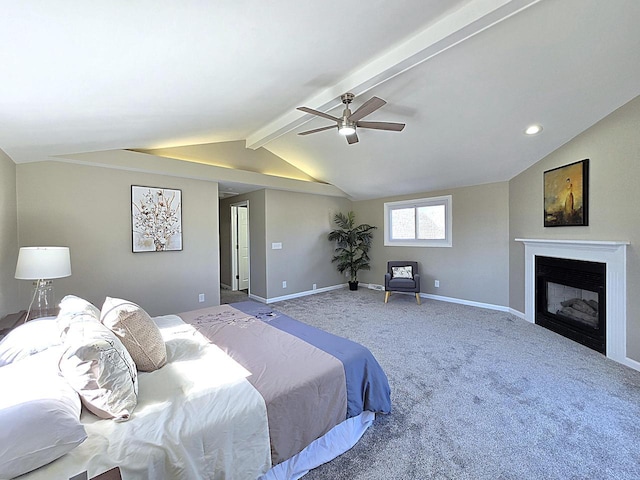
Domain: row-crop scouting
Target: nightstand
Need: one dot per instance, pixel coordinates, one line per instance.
(11, 321)
(113, 474)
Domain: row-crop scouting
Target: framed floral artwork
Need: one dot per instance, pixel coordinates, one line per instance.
(566, 195)
(156, 219)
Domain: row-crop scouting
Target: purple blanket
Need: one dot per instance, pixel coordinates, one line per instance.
(367, 384)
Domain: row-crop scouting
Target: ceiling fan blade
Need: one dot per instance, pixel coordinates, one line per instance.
(353, 138)
(366, 108)
(318, 130)
(396, 127)
(316, 112)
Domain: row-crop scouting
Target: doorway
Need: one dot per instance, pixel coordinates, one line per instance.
(240, 259)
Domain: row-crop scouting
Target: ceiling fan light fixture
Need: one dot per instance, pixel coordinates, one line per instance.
(349, 122)
(345, 127)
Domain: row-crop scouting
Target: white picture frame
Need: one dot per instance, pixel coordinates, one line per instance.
(156, 219)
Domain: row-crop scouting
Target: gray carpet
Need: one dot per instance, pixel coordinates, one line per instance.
(231, 296)
(480, 394)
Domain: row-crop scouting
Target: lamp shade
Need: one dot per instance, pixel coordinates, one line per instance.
(38, 263)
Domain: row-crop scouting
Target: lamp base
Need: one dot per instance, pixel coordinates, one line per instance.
(43, 300)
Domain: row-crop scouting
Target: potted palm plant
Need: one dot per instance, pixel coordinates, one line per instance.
(352, 246)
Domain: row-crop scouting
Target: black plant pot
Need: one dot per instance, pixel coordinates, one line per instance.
(353, 285)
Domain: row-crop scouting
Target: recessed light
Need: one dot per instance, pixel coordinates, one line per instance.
(533, 129)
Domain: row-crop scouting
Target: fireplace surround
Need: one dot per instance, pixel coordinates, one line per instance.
(611, 253)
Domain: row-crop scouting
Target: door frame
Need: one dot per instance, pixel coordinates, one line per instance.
(234, 242)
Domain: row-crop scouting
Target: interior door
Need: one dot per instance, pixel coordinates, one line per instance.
(243, 248)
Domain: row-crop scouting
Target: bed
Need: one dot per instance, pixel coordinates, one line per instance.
(246, 392)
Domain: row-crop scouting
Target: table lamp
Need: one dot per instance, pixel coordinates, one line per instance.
(43, 264)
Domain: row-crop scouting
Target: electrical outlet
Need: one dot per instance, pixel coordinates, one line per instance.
(315, 286)
(437, 283)
(201, 297)
(284, 284)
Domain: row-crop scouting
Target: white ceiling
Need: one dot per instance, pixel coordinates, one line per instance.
(466, 76)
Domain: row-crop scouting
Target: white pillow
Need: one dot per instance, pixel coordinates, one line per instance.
(39, 414)
(402, 272)
(28, 339)
(99, 368)
(137, 332)
(72, 308)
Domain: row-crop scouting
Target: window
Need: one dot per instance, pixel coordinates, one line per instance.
(425, 222)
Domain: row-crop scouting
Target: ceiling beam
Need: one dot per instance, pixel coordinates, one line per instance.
(473, 18)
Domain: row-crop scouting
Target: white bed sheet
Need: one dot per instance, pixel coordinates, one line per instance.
(335, 442)
(197, 417)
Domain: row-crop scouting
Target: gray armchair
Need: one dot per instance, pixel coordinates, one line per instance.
(402, 277)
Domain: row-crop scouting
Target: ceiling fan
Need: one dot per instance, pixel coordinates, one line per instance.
(348, 122)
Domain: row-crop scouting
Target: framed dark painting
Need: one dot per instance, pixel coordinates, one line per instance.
(566, 195)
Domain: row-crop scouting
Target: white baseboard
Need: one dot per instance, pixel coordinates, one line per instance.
(489, 306)
(629, 362)
(297, 295)
(460, 301)
(224, 286)
(373, 286)
(257, 298)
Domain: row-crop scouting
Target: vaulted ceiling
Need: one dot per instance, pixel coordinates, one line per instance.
(466, 76)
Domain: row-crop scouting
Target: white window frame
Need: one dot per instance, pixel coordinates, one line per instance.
(445, 200)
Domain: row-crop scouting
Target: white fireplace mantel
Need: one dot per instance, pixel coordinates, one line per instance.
(614, 255)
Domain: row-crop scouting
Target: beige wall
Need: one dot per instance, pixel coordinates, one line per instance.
(9, 301)
(301, 222)
(613, 149)
(257, 245)
(89, 209)
(475, 268)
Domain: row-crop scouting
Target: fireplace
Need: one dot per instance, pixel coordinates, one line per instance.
(570, 299)
(611, 253)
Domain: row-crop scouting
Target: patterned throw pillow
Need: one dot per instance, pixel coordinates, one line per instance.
(401, 272)
(138, 333)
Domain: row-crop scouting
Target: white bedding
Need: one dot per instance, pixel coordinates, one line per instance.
(335, 442)
(197, 417)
